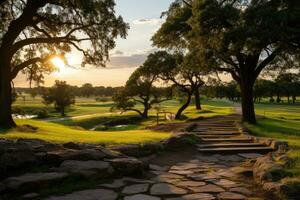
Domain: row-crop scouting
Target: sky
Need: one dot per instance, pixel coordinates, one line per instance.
(144, 19)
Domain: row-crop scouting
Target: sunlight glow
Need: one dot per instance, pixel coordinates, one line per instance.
(58, 63)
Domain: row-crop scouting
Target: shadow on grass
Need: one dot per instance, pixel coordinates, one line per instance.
(287, 127)
(111, 121)
(96, 105)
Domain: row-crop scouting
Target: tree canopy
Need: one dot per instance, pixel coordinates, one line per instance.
(140, 90)
(61, 95)
(34, 31)
(242, 38)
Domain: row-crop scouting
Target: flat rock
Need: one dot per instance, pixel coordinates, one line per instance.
(210, 188)
(32, 181)
(127, 166)
(86, 168)
(98, 194)
(166, 189)
(230, 196)
(72, 154)
(190, 184)
(199, 196)
(185, 166)
(136, 180)
(250, 155)
(157, 168)
(114, 185)
(135, 189)
(183, 172)
(225, 183)
(241, 190)
(167, 176)
(141, 197)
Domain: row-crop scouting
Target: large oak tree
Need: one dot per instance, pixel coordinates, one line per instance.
(241, 37)
(33, 31)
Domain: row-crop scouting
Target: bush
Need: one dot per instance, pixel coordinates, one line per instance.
(101, 128)
(103, 99)
(18, 111)
(42, 114)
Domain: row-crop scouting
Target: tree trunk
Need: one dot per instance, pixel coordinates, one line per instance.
(184, 106)
(294, 99)
(278, 100)
(247, 101)
(6, 120)
(145, 113)
(62, 111)
(197, 99)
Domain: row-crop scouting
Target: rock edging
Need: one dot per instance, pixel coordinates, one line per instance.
(267, 169)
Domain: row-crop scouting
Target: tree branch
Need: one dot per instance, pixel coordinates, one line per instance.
(231, 71)
(266, 61)
(27, 63)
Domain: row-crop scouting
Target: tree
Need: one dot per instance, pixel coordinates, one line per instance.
(180, 71)
(33, 92)
(140, 89)
(289, 85)
(61, 94)
(239, 36)
(87, 90)
(35, 31)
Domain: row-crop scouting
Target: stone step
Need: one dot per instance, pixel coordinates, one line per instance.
(215, 135)
(236, 149)
(237, 139)
(216, 125)
(217, 145)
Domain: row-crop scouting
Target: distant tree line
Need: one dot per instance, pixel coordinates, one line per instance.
(86, 90)
(285, 85)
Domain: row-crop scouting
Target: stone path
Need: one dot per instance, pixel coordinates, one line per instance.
(202, 178)
(198, 177)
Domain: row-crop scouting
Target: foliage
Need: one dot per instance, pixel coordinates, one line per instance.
(237, 37)
(61, 95)
(140, 89)
(86, 90)
(34, 32)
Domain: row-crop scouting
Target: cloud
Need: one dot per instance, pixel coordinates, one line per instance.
(152, 22)
(129, 61)
(118, 52)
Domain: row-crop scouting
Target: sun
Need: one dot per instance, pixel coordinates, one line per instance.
(59, 64)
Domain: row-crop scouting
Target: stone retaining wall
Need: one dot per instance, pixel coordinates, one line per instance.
(267, 170)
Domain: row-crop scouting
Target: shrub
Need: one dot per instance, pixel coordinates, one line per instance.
(42, 114)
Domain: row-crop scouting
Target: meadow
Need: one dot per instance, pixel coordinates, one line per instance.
(282, 122)
(87, 114)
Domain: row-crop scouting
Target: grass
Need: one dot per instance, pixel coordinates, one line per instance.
(281, 122)
(77, 130)
(61, 134)
(83, 106)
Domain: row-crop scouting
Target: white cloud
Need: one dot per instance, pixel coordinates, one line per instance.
(152, 22)
(129, 60)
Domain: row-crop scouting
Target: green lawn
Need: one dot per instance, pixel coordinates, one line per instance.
(83, 106)
(281, 122)
(60, 134)
(77, 130)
